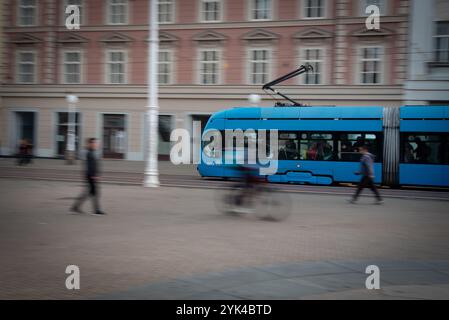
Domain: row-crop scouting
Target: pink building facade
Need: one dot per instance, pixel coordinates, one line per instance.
(213, 54)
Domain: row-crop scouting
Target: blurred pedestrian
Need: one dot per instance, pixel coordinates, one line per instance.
(92, 176)
(367, 175)
(22, 154)
(29, 152)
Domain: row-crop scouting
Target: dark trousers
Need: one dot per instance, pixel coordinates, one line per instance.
(23, 159)
(91, 191)
(366, 182)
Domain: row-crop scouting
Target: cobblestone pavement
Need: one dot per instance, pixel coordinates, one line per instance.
(173, 243)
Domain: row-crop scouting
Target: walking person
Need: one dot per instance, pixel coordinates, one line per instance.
(91, 176)
(367, 173)
(22, 152)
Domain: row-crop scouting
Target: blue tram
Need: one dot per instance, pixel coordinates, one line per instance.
(318, 145)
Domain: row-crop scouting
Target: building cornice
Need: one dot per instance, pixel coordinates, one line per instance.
(219, 25)
(209, 35)
(313, 33)
(25, 38)
(223, 92)
(116, 37)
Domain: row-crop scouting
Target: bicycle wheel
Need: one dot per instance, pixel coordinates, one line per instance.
(226, 201)
(272, 205)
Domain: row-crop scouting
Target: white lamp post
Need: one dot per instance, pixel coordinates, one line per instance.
(72, 100)
(151, 178)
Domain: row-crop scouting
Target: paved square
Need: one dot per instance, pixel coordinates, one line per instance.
(173, 243)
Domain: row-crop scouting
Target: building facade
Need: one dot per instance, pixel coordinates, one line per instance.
(428, 80)
(213, 54)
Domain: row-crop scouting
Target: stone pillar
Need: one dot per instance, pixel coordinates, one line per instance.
(340, 57)
(49, 73)
(401, 44)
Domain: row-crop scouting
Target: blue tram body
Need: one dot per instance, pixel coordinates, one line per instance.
(340, 129)
(330, 120)
(429, 124)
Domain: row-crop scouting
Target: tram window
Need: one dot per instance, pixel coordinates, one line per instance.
(316, 146)
(447, 149)
(348, 146)
(288, 146)
(422, 148)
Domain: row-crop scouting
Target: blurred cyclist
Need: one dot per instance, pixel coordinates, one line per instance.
(248, 177)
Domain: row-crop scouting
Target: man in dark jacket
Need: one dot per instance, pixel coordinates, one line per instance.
(91, 176)
(367, 173)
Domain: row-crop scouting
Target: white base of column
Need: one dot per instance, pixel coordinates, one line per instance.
(151, 181)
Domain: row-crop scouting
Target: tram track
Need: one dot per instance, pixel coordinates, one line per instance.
(193, 181)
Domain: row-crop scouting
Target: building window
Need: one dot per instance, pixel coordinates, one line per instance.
(314, 8)
(209, 66)
(117, 11)
(260, 10)
(165, 67)
(165, 128)
(72, 67)
(314, 57)
(211, 10)
(166, 11)
(442, 42)
(26, 67)
(114, 136)
(371, 65)
(27, 12)
(79, 4)
(63, 123)
(366, 3)
(258, 66)
(116, 64)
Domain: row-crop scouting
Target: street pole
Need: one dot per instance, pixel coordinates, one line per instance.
(151, 178)
(71, 118)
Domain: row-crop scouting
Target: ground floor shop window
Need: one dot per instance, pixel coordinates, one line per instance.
(114, 136)
(62, 130)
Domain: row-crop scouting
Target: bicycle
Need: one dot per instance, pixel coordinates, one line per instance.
(259, 199)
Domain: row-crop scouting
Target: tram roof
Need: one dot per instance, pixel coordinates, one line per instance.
(316, 112)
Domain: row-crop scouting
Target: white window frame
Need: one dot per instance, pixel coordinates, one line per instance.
(360, 60)
(63, 64)
(35, 64)
(439, 36)
(107, 66)
(201, 11)
(218, 63)
(170, 67)
(249, 62)
(363, 4)
(251, 9)
(83, 16)
(35, 18)
(322, 60)
(172, 13)
(304, 10)
(108, 13)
